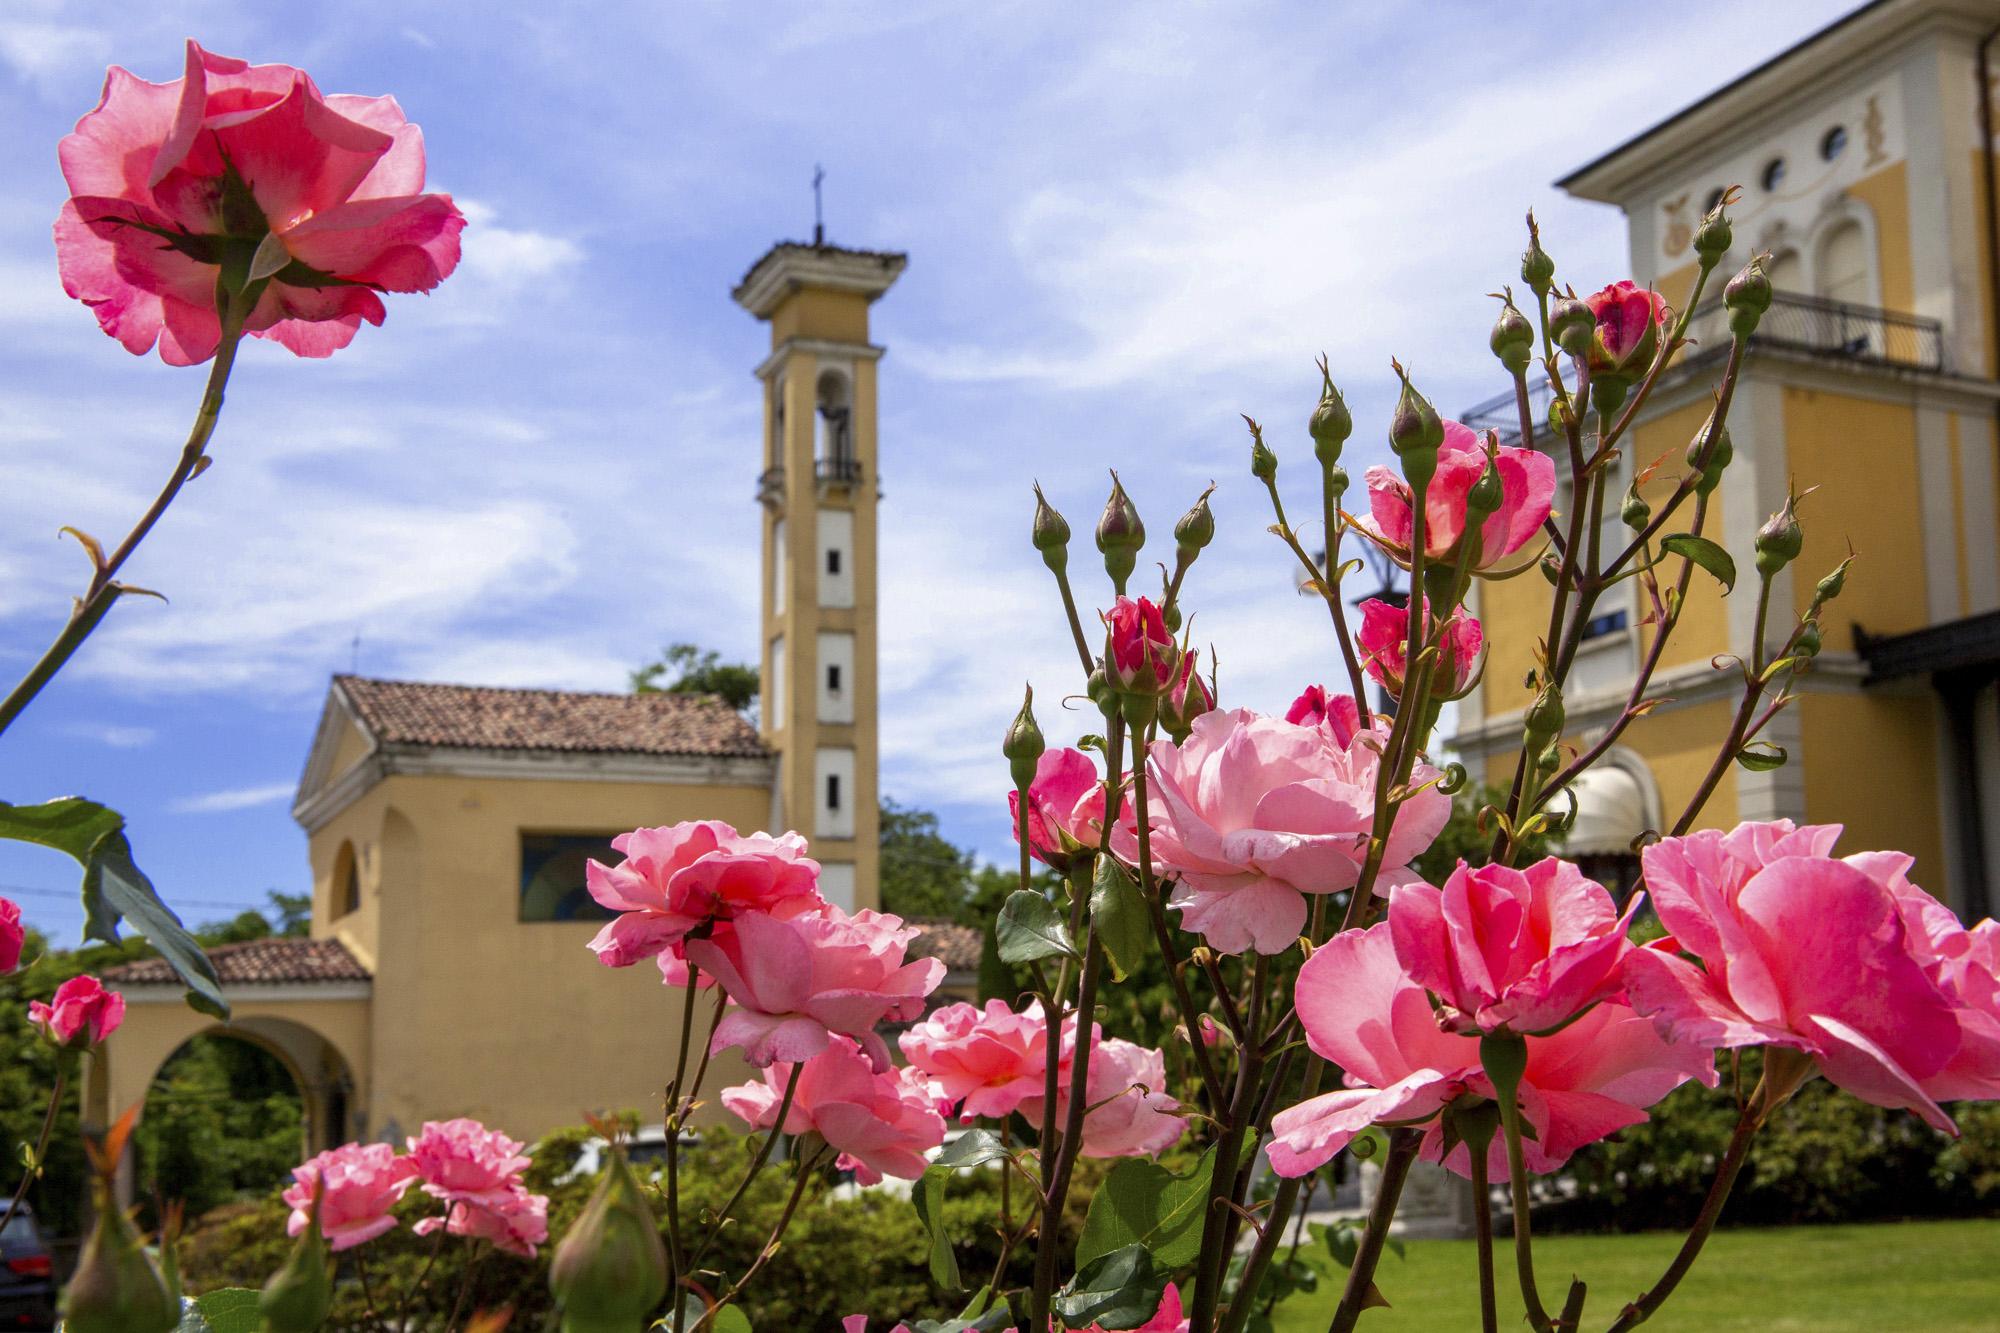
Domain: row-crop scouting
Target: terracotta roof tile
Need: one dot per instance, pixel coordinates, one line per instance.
(483, 717)
(272, 962)
(957, 947)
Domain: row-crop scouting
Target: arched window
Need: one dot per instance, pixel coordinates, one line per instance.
(1844, 267)
(346, 881)
(1787, 272)
(836, 412)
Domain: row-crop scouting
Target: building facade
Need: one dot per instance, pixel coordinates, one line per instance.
(1865, 157)
(448, 826)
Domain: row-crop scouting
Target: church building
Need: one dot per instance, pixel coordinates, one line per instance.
(1866, 160)
(446, 973)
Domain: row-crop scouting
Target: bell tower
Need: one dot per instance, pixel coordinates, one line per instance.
(818, 492)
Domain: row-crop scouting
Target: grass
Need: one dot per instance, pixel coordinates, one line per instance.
(1937, 1277)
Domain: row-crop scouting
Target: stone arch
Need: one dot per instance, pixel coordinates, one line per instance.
(1844, 247)
(1617, 800)
(321, 1041)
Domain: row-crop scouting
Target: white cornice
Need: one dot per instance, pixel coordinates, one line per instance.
(531, 766)
(823, 348)
(283, 992)
(1873, 37)
(787, 268)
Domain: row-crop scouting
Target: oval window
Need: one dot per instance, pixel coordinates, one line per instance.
(1774, 174)
(1714, 198)
(1834, 143)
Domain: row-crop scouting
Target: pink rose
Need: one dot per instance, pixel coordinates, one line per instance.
(990, 1060)
(882, 1122)
(799, 981)
(11, 936)
(1140, 654)
(462, 1161)
(1066, 798)
(1362, 1012)
(80, 1014)
(1519, 950)
(1385, 641)
(1255, 813)
(674, 880)
(1338, 713)
(363, 1182)
(1629, 323)
(1527, 486)
(1964, 964)
(1131, 1115)
(172, 183)
(517, 1222)
(1796, 950)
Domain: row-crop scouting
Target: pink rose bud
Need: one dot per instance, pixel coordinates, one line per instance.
(11, 936)
(1140, 655)
(245, 177)
(1527, 491)
(1188, 698)
(80, 1014)
(1538, 270)
(1628, 319)
(1336, 714)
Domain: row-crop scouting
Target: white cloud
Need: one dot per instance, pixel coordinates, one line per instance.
(117, 737)
(501, 265)
(52, 55)
(236, 798)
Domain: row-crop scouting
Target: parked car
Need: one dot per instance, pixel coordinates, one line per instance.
(27, 1274)
(646, 1147)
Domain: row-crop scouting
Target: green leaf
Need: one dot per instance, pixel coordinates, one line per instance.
(1341, 1241)
(1030, 928)
(1120, 1290)
(1704, 553)
(1118, 911)
(730, 1319)
(1762, 756)
(114, 887)
(928, 1196)
(1143, 1203)
(229, 1310)
(975, 1147)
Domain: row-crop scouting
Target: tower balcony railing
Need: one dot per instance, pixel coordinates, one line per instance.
(1837, 331)
(837, 469)
(771, 486)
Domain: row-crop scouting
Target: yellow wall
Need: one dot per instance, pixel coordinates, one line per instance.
(1872, 764)
(1887, 194)
(1863, 457)
(1703, 630)
(476, 1012)
(815, 313)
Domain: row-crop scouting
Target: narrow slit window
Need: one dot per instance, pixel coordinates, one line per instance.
(833, 678)
(833, 791)
(833, 562)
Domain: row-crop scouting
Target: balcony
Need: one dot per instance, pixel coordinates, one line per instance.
(837, 470)
(1797, 323)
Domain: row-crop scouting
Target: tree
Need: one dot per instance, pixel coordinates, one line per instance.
(924, 874)
(684, 668)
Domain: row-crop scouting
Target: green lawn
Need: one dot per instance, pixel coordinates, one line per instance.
(1937, 1277)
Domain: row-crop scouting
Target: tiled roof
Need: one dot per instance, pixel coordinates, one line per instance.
(483, 717)
(272, 962)
(884, 257)
(957, 947)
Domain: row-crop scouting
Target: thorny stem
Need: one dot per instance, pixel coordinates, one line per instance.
(1517, 1181)
(1204, 1063)
(1753, 690)
(1326, 583)
(410, 1292)
(807, 1171)
(1639, 1311)
(1482, 1230)
(675, 1251)
(1403, 1145)
(465, 1287)
(41, 1141)
(1075, 622)
(102, 592)
(756, 1165)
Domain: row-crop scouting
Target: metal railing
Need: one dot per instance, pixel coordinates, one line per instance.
(1813, 325)
(838, 468)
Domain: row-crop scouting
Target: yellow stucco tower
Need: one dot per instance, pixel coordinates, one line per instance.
(1866, 158)
(819, 491)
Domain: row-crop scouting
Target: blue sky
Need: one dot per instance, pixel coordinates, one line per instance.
(1127, 224)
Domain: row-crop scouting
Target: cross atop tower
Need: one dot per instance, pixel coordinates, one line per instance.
(819, 223)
